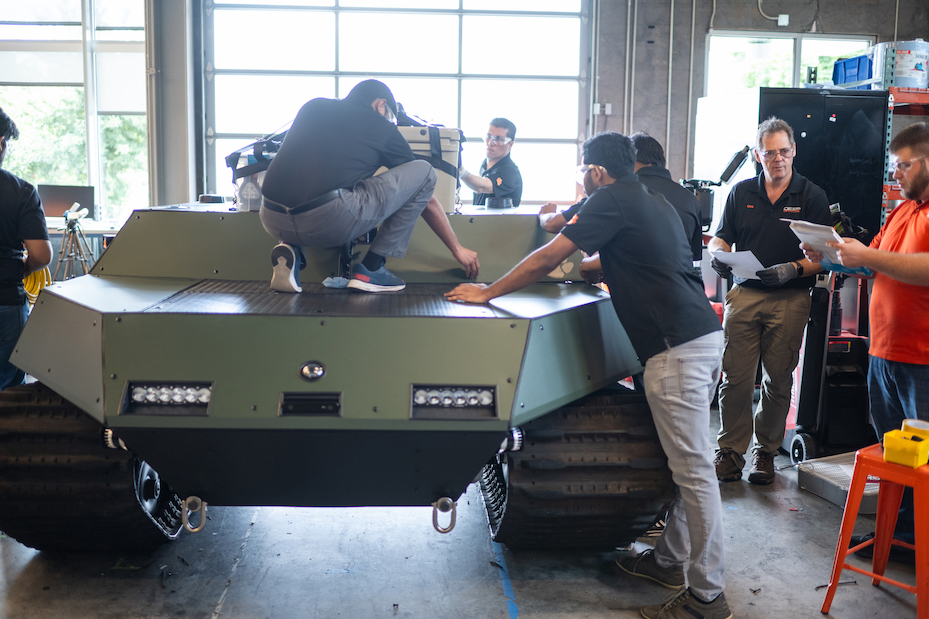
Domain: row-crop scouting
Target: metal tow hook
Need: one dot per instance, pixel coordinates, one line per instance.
(444, 505)
(194, 504)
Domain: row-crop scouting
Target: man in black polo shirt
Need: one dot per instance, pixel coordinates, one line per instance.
(22, 225)
(764, 317)
(320, 189)
(499, 177)
(676, 336)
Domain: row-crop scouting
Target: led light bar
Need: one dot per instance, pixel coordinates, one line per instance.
(167, 398)
(447, 402)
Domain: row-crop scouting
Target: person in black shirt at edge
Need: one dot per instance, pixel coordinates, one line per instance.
(498, 177)
(22, 224)
(765, 317)
(677, 337)
(320, 190)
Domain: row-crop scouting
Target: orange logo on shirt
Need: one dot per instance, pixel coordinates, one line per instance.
(749, 206)
(573, 220)
(499, 181)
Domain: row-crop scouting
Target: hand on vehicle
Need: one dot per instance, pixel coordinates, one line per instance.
(779, 274)
(551, 207)
(469, 293)
(722, 269)
(468, 259)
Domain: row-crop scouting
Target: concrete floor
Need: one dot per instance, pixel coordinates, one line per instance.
(286, 563)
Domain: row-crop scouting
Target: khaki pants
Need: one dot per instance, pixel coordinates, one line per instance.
(766, 325)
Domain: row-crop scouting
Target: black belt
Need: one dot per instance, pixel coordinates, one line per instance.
(306, 206)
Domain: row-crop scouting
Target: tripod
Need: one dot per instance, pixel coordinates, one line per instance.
(74, 248)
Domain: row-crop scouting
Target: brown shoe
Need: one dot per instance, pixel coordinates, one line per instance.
(762, 472)
(727, 466)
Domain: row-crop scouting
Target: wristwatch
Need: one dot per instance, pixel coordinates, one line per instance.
(799, 268)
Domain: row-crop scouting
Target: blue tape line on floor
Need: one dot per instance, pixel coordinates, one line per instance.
(505, 580)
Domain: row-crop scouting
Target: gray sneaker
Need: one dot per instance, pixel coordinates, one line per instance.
(685, 606)
(645, 566)
(728, 467)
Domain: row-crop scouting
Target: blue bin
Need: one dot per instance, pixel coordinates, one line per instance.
(852, 70)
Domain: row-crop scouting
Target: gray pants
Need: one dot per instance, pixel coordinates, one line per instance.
(397, 198)
(765, 324)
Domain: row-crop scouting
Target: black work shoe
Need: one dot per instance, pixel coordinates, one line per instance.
(762, 472)
(898, 554)
(727, 466)
(645, 566)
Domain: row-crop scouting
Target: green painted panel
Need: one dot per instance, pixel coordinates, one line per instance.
(571, 354)
(61, 346)
(252, 359)
(195, 242)
(118, 294)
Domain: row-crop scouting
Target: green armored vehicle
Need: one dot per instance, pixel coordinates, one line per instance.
(172, 376)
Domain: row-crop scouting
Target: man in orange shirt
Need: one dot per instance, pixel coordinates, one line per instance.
(898, 373)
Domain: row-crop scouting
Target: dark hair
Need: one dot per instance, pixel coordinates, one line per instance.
(773, 125)
(503, 123)
(647, 149)
(8, 128)
(915, 137)
(613, 151)
(370, 91)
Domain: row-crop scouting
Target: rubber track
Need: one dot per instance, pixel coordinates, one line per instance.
(61, 489)
(590, 475)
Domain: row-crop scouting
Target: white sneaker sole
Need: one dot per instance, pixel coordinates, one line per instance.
(357, 284)
(282, 277)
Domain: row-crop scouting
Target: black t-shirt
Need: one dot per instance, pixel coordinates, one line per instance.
(684, 202)
(332, 144)
(751, 222)
(573, 210)
(21, 218)
(646, 264)
(507, 181)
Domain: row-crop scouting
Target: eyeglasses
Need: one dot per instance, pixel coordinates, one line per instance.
(771, 155)
(904, 166)
(499, 140)
(581, 171)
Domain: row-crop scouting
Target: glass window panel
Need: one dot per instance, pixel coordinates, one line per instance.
(402, 4)
(42, 67)
(301, 41)
(482, 100)
(40, 33)
(51, 148)
(741, 63)
(120, 35)
(434, 100)
(241, 106)
(529, 45)
(283, 2)
(822, 54)
(119, 13)
(223, 174)
(124, 153)
(421, 43)
(41, 10)
(121, 82)
(547, 170)
(548, 6)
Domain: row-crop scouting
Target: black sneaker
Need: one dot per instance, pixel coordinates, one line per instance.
(898, 554)
(645, 566)
(285, 276)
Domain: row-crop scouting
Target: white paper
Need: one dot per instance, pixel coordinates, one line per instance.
(744, 263)
(816, 236)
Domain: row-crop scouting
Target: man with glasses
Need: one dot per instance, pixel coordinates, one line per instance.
(898, 372)
(499, 177)
(676, 336)
(320, 190)
(22, 226)
(765, 317)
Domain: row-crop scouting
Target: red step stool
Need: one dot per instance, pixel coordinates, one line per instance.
(869, 462)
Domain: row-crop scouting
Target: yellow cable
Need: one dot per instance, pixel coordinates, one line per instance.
(35, 282)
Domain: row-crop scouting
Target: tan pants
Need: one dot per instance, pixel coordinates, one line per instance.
(766, 325)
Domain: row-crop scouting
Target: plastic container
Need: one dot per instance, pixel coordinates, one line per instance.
(852, 70)
(906, 448)
(911, 63)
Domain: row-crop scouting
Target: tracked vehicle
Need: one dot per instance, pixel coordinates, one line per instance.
(172, 377)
